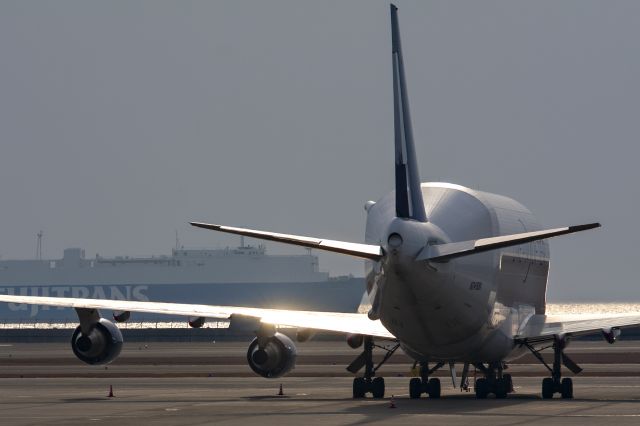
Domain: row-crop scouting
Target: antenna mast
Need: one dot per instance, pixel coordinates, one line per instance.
(39, 246)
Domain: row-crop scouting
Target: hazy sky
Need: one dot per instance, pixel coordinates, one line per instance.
(121, 121)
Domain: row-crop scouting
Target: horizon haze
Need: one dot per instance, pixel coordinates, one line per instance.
(122, 121)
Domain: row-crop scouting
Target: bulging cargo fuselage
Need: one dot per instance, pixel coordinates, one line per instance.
(468, 308)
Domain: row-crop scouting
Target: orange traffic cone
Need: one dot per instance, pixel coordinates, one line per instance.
(280, 393)
(393, 402)
(111, 395)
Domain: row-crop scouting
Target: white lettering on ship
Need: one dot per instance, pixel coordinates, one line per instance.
(123, 292)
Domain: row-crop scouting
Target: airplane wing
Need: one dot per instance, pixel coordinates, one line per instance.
(325, 321)
(545, 328)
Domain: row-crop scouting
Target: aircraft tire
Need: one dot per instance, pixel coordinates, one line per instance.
(501, 388)
(547, 388)
(415, 388)
(509, 381)
(567, 388)
(434, 388)
(377, 387)
(359, 387)
(482, 388)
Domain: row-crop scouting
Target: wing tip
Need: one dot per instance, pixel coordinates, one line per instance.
(204, 225)
(585, 227)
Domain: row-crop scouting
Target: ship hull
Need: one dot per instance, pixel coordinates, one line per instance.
(342, 295)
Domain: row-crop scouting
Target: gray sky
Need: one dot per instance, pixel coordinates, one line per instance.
(120, 121)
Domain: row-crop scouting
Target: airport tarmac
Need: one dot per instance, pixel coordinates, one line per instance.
(215, 388)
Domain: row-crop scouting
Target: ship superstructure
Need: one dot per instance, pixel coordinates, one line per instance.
(240, 276)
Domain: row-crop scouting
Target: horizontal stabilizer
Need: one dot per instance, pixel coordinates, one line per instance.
(444, 252)
(365, 251)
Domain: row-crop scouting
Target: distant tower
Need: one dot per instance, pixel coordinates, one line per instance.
(39, 246)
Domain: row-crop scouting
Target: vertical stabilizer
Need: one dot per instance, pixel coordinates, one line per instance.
(408, 193)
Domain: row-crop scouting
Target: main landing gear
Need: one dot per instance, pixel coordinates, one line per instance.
(369, 383)
(555, 383)
(493, 382)
(422, 384)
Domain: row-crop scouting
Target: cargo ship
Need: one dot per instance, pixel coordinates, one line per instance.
(240, 276)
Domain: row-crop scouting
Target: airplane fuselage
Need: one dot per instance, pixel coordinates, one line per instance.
(465, 309)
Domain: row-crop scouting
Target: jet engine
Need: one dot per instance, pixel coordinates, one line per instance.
(121, 316)
(355, 340)
(272, 356)
(100, 346)
(197, 322)
(611, 334)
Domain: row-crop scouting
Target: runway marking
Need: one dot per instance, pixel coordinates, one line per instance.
(599, 415)
(620, 386)
(519, 415)
(171, 409)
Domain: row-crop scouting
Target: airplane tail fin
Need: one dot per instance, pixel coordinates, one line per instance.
(409, 202)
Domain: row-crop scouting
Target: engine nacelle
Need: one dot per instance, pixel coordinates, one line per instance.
(101, 346)
(611, 334)
(355, 340)
(197, 322)
(121, 316)
(276, 358)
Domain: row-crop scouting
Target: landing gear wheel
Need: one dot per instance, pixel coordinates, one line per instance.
(415, 388)
(482, 388)
(501, 388)
(566, 388)
(509, 382)
(547, 388)
(433, 388)
(359, 387)
(377, 387)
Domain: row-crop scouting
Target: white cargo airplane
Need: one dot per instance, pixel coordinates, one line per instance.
(454, 275)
